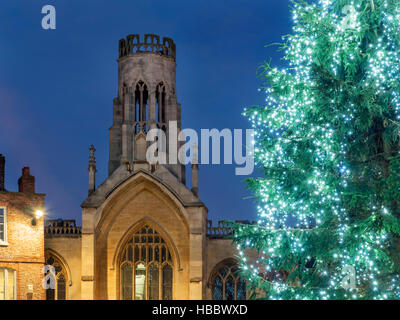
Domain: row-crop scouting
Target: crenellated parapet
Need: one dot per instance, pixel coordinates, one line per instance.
(222, 229)
(152, 44)
(62, 228)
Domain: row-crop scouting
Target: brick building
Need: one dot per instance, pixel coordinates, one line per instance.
(21, 239)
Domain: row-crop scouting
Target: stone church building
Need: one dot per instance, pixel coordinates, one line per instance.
(145, 233)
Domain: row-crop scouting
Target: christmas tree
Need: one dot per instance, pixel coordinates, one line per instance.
(328, 144)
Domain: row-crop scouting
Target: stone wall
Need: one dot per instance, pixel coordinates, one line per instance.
(63, 240)
(136, 203)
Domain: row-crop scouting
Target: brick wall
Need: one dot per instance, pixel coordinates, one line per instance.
(25, 249)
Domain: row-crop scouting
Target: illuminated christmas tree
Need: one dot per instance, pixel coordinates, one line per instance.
(328, 143)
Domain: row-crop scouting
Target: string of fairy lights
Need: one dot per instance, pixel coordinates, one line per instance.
(304, 152)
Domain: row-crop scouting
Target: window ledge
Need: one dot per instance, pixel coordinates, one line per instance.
(4, 244)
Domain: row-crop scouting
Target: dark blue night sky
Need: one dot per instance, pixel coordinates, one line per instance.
(57, 86)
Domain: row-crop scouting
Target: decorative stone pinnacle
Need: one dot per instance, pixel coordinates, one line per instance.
(195, 159)
(92, 158)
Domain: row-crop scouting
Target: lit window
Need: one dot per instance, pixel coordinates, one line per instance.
(3, 225)
(57, 276)
(226, 283)
(146, 271)
(8, 289)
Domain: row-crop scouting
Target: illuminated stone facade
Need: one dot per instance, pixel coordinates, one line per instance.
(144, 234)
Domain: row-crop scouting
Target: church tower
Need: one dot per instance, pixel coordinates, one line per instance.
(146, 99)
(144, 234)
(139, 195)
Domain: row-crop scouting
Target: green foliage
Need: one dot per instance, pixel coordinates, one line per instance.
(328, 144)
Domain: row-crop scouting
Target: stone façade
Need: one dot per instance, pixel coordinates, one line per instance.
(138, 194)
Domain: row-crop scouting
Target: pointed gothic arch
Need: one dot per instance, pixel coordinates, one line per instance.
(141, 106)
(225, 282)
(164, 234)
(146, 264)
(161, 102)
(142, 179)
(59, 274)
(110, 234)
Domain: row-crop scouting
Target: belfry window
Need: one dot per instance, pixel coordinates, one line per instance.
(8, 286)
(226, 283)
(146, 267)
(160, 103)
(56, 277)
(141, 104)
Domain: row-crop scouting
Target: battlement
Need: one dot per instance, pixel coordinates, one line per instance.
(68, 228)
(151, 44)
(222, 230)
(62, 228)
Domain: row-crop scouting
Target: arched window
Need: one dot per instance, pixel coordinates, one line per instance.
(160, 103)
(141, 105)
(226, 283)
(56, 276)
(8, 284)
(146, 267)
